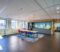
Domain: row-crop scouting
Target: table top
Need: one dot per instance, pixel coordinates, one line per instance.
(29, 31)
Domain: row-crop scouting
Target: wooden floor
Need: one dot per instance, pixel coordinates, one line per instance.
(45, 44)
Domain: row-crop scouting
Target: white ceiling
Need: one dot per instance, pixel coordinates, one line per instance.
(30, 9)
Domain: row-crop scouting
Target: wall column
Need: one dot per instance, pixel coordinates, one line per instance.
(52, 28)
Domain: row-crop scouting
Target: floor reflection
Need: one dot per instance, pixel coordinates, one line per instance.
(13, 43)
(16, 44)
(4, 44)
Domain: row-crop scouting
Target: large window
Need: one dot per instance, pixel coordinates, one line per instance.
(19, 24)
(23, 25)
(39, 25)
(43, 25)
(2, 24)
(57, 26)
(13, 24)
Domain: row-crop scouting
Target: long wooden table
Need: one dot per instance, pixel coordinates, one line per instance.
(28, 31)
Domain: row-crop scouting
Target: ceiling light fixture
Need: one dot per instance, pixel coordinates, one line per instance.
(58, 8)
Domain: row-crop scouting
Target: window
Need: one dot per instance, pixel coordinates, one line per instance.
(19, 24)
(13, 24)
(23, 25)
(39, 25)
(48, 26)
(43, 25)
(57, 24)
(2, 24)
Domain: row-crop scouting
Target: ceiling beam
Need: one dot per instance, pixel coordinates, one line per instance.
(45, 20)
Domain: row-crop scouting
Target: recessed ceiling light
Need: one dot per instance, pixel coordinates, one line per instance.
(58, 8)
